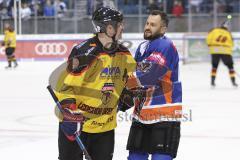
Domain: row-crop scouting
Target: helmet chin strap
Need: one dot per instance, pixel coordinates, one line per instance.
(113, 37)
(113, 40)
(112, 47)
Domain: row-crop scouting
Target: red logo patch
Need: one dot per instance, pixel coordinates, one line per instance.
(158, 58)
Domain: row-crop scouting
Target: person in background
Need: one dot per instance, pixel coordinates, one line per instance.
(10, 45)
(153, 5)
(60, 7)
(48, 10)
(177, 8)
(220, 44)
(26, 11)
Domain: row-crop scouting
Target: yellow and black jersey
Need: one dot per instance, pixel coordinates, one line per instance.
(95, 77)
(10, 39)
(220, 41)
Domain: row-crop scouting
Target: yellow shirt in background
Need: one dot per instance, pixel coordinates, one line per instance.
(10, 39)
(220, 41)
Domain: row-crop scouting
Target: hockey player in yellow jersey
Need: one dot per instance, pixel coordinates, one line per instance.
(10, 44)
(97, 72)
(220, 43)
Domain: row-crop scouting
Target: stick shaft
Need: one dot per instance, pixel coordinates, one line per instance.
(79, 141)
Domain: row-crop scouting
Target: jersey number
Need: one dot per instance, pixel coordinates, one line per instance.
(221, 39)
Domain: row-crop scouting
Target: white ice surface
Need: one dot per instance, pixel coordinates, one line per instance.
(28, 127)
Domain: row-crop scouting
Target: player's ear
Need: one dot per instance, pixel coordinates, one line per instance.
(163, 29)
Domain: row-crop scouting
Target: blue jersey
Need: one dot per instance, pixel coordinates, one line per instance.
(157, 72)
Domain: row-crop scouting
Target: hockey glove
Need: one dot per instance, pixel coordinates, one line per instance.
(126, 100)
(140, 95)
(71, 129)
(72, 119)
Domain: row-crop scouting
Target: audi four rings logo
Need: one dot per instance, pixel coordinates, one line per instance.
(51, 48)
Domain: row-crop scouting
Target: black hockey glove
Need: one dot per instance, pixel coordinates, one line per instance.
(140, 95)
(72, 119)
(126, 100)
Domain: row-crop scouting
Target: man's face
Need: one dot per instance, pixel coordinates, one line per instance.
(154, 27)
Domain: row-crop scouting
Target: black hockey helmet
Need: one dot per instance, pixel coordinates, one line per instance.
(104, 16)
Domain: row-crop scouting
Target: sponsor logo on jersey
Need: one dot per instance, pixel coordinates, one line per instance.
(144, 66)
(158, 58)
(94, 110)
(89, 51)
(81, 44)
(108, 87)
(110, 119)
(110, 72)
(107, 90)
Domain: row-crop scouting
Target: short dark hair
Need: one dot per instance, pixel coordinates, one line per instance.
(163, 15)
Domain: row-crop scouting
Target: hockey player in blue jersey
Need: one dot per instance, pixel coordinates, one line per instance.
(155, 128)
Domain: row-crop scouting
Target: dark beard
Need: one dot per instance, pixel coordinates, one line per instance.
(152, 37)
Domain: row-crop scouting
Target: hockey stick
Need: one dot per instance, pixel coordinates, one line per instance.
(79, 141)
